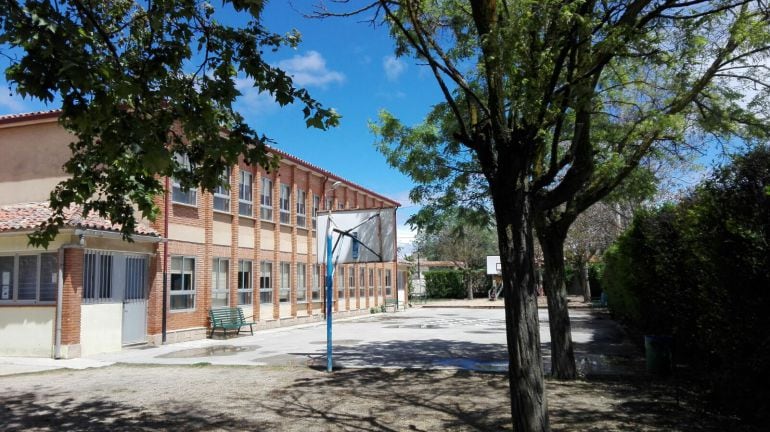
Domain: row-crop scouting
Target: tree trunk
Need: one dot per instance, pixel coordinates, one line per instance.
(585, 284)
(562, 352)
(468, 285)
(513, 213)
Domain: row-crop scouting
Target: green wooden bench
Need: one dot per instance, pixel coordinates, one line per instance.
(391, 303)
(228, 319)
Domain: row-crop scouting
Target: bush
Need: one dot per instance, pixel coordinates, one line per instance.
(700, 271)
(445, 284)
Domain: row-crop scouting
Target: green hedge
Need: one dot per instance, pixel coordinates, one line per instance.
(445, 284)
(700, 271)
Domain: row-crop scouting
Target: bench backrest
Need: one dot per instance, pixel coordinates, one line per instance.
(226, 315)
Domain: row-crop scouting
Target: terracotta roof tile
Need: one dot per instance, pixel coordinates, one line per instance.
(28, 216)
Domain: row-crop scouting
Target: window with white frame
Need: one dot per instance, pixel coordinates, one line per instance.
(180, 194)
(341, 283)
(316, 288)
(352, 282)
(28, 278)
(97, 277)
(362, 282)
(245, 197)
(301, 208)
(266, 200)
(222, 192)
(316, 205)
(379, 279)
(182, 292)
(285, 202)
(329, 203)
(388, 284)
(284, 289)
(220, 282)
(371, 282)
(245, 290)
(266, 283)
(301, 282)
(341, 205)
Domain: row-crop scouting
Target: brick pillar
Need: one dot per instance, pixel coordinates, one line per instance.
(256, 269)
(72, 295)
(276, 243)
(293, 223)
(203, 294)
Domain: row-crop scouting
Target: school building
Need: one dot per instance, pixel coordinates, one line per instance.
(252, 246)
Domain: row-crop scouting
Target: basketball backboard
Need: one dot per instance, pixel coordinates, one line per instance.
(493, 265)
(360, 236)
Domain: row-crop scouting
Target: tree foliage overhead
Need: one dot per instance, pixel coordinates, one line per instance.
(140, 82)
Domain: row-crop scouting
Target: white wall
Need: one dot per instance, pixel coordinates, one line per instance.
(27, 331)
(101, 328)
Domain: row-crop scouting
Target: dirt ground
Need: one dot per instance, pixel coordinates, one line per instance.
(300, 399)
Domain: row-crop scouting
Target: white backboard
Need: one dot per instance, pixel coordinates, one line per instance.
(374, 229)
(493, 265)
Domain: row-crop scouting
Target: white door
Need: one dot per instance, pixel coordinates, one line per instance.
(134, 298)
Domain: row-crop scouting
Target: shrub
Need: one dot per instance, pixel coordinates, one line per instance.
(445, 284)
(700, 270)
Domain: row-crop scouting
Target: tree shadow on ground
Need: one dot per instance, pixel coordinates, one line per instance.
(22, 411)
(387, 400)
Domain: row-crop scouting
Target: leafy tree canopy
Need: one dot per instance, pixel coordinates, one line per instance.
(147, 88)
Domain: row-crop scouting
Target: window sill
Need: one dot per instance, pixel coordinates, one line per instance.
(26, 303)
(224, 212)
(195, 206)
(181, 310)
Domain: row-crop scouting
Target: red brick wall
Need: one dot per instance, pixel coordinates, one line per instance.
(72, 295)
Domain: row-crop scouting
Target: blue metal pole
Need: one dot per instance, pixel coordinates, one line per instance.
(329, 296)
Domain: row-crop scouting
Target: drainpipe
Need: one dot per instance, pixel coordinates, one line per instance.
(165, 263)
(59, 298)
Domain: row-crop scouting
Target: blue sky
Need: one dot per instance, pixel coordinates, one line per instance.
(345, 64)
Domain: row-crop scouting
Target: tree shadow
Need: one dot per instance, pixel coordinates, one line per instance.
(387, 400)
(21, 411)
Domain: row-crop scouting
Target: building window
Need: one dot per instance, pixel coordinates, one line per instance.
(352, 283)
(329, 203)
(316, 205)
(180, 194)
(285, 204)
(182, 283)
(266, 283)
(388, 286)
(29, 278)
(266, 200)
(245, 291)
(301, 285)
(362, 282)
(245, 198)
(222, 192)
(371, 282)
(220, 282)
(284, 288)
(341, 205)
(316, 289)
(97, 277)
(379, 279)
(301, 213)
(341, 283)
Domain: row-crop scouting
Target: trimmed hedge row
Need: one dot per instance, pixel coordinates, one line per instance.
(700, 271)
(445, 284)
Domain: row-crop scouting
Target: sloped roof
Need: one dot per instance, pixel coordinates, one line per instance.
(28, 216)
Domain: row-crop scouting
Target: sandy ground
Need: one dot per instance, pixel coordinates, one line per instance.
(300, 399)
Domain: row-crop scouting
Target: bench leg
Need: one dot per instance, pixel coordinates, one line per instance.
(251, 328)
(212, 332)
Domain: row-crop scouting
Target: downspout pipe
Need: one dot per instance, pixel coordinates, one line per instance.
(164, 318)
(59, 307)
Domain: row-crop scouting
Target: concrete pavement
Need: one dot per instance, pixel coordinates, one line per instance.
(422, 338)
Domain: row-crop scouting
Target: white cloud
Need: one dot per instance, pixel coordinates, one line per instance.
(253, 100)
(394, 67)
(309, 70)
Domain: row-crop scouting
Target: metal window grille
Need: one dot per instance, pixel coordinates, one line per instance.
(97, 277)
(136, 278)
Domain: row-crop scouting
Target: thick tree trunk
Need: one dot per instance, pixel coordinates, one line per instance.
(562, 351)
(529, 408)
(468, 285)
